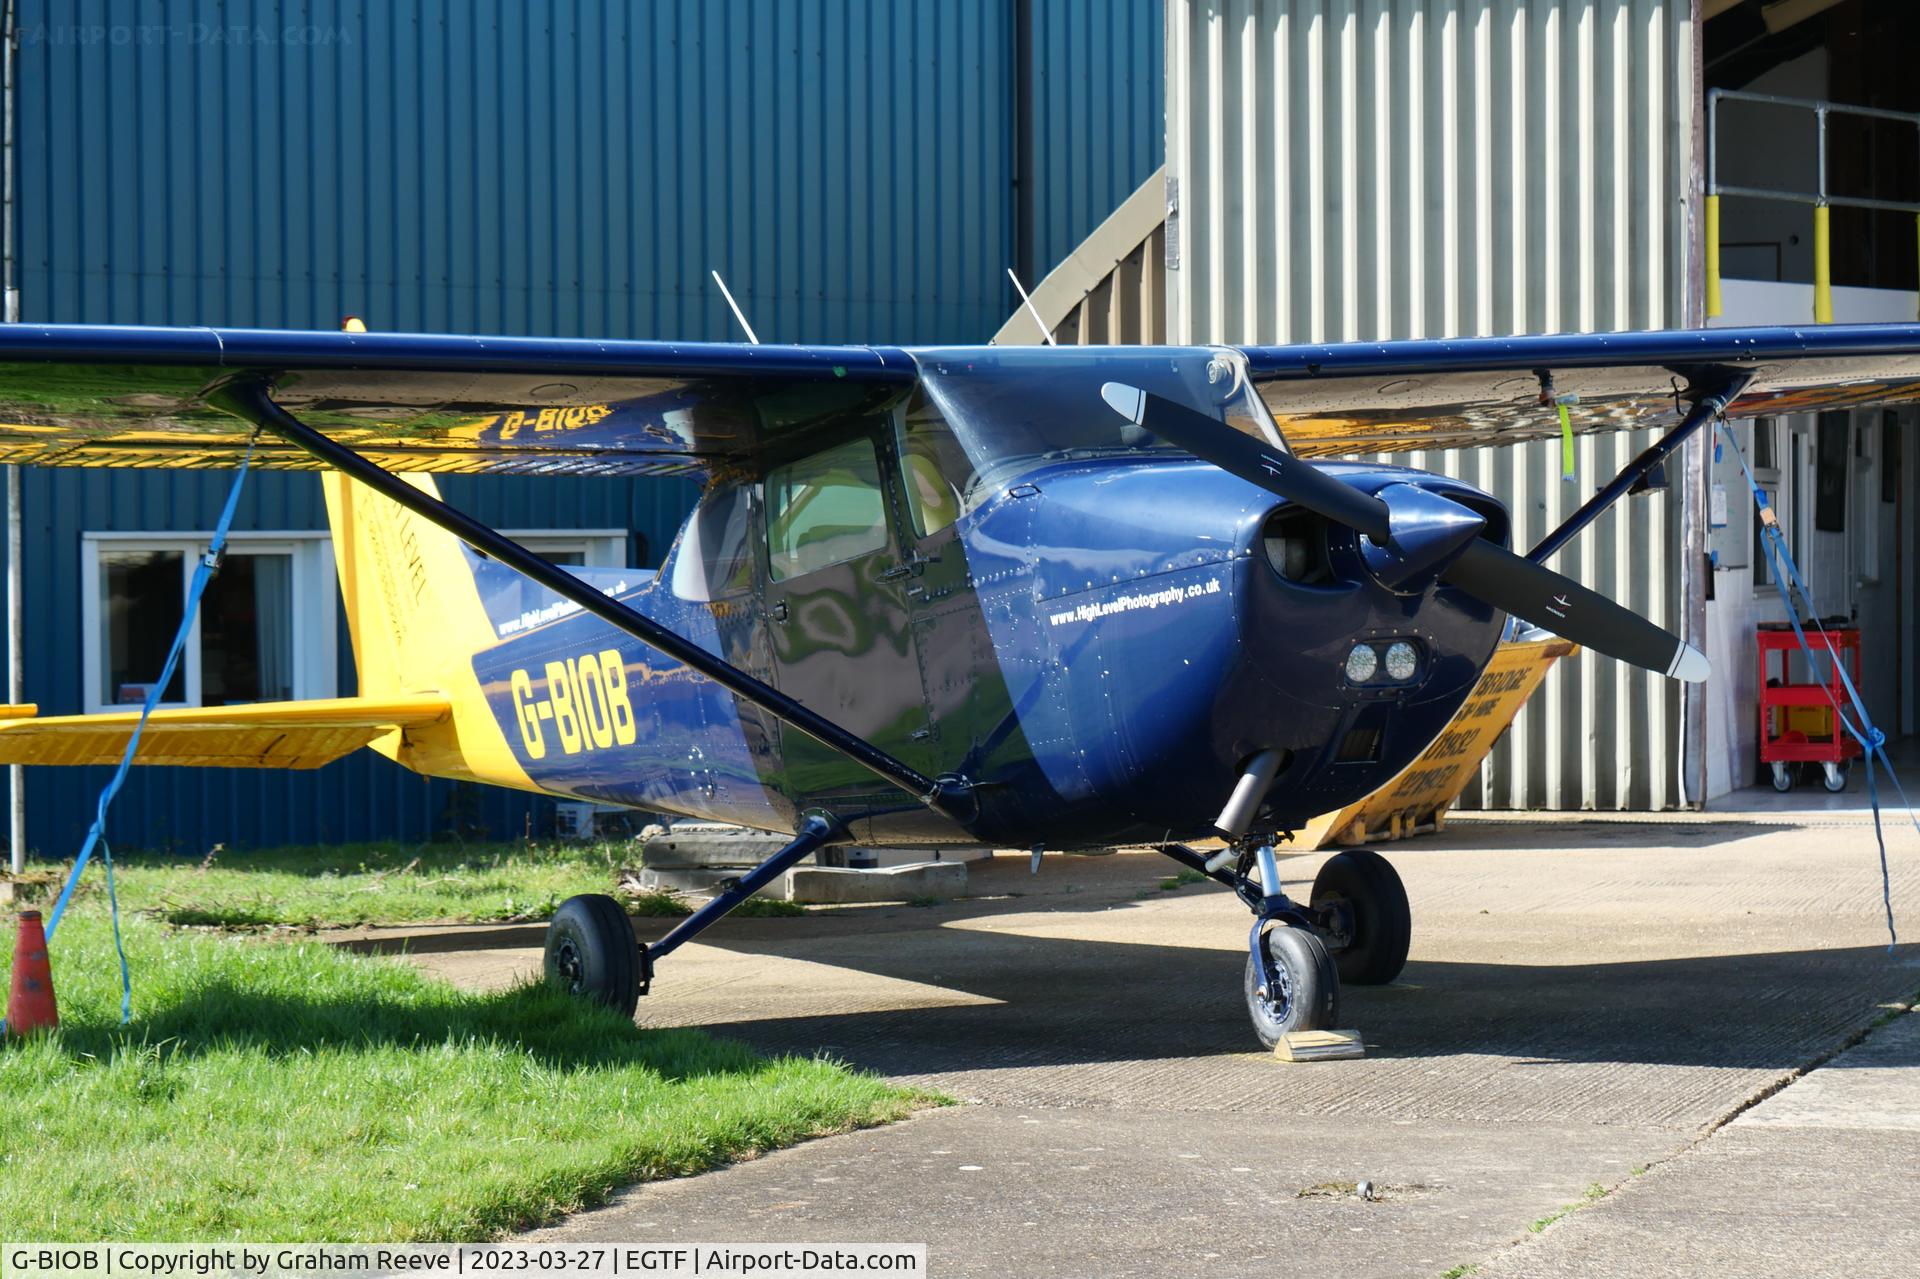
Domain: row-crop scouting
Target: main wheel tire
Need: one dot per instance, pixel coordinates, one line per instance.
(1308, 997)
(1362, 888)
(591, 952)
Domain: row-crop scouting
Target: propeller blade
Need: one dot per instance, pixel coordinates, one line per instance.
(1517, 585)
(1507, 581)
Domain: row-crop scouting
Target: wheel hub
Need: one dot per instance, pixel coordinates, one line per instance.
(1334, 922)
(1276, 990)
(568, 966)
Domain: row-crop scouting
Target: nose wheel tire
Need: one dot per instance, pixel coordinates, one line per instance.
(1369, 923)
(591, 952)
(1302, 992)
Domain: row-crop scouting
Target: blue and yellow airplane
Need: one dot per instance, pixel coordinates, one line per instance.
(1017, 597)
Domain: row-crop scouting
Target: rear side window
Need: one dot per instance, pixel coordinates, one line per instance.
(825, 509)
(715, 558)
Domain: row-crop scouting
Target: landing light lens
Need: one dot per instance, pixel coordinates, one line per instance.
(1361, 664)
(1402, 662)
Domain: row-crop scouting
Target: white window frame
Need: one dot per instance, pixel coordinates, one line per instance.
(599, 547)
(316, 606)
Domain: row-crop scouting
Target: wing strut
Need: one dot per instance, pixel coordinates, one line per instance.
(950, 796)
(1704, 410)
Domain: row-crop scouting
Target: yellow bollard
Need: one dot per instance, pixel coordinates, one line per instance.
(1713, 256)
(1822, 267)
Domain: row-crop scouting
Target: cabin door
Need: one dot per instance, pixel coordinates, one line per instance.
(837, 608)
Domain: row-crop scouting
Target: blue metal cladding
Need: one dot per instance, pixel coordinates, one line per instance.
(1098, 120)
(571, 169)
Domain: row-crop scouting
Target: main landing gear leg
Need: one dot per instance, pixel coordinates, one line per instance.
(1357, 928)
(591, 950)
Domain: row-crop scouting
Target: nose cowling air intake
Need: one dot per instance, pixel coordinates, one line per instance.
(1409, 534)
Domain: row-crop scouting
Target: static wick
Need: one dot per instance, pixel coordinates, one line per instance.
(738, 314)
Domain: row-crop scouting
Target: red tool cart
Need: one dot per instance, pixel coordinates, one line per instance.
(1798, 722)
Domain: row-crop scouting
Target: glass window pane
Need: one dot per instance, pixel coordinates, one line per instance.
(246, 631)
(936, 473)
(142, 598)
(825, 509)
(714, 558)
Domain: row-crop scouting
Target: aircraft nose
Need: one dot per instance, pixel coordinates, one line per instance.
(1351, 659)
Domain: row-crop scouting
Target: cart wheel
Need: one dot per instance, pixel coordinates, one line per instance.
(1835, 779)
(1783, 777)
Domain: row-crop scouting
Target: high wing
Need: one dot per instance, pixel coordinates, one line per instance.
(1388, 397)
(82, 395)
(263, 735)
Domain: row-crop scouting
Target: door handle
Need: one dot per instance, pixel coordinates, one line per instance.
(912, 566)
(779, 610)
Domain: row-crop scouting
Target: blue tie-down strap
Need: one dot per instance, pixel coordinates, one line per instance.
(1873, 742)
(97, 833)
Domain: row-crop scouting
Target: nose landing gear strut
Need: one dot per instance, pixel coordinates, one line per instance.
(1356, 927)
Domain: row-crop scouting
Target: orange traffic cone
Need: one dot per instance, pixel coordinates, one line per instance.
(30, 1005)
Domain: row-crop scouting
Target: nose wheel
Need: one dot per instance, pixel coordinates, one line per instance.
(1356, 927)
(1291, 984)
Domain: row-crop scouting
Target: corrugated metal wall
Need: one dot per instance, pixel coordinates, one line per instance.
(515, 167)
(1099, 86)
(518, 167)
(512, 167)
(1357, 169)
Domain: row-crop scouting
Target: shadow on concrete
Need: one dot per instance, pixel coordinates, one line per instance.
(1062, 1001)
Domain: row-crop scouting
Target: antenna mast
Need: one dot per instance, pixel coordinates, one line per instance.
(738, 314)
(1045, 332)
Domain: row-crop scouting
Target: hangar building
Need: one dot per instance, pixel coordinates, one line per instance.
(859, 170)
(1198, 170)
(1342, 170)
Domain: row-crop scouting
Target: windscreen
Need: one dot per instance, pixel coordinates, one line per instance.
(986, 415)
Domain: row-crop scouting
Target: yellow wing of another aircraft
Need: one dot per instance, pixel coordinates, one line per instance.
(262, 735)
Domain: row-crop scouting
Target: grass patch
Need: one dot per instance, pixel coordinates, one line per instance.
(655, 902)
(1328, 1190)
(1461, 1271)
(659, 902)
(1595, 1193)
(273, 1090)
(1181, 880)
(355, 884)
(769, 908)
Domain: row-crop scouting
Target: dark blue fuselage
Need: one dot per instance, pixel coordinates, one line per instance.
(1099, 646)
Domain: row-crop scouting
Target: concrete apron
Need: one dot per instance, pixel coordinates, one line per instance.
(1583, 999)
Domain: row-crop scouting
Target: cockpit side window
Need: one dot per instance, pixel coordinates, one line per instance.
(715, 556)
(934, 470)
(824, 509)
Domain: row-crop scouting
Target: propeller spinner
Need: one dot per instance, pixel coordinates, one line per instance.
(1409, 531)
